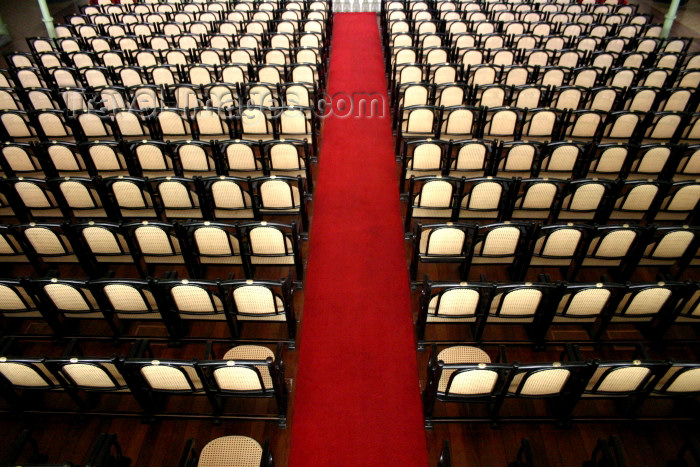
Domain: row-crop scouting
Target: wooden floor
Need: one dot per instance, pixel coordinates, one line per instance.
(65, 437)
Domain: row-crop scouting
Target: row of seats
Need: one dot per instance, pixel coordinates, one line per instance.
(147, 244)
(445, 7)
(540, 307)
(161, 75)
(616, 72)
(166, 199)
(172, 303)
(464, 374)
(531, 96)
(423, 121)
(188, 158)
(185, 96)
(551, 200)
(426, 47)
(519, 246)
(557, 160)
(252, 122)
(242, 371)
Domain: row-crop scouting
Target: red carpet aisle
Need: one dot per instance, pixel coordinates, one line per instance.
(357, 397)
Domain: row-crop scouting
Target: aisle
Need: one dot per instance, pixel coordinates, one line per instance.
(357, 399)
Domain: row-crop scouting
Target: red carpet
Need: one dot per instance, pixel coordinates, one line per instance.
(357, 397)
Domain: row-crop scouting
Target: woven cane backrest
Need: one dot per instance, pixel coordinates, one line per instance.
(168, 378)
(443, 242)
(231, 450)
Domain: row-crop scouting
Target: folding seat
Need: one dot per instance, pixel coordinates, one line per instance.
(212, 124)
(686, 162)
(289, 157)
(621, 77)
(131, 124)
(464, 374)
(637, 199)
(196, 300)
(692, 130)
(450, 303)
(423, 157)
(502, 244)
(35, 198)
(153, 159)
(19, 302)
(172, 123)
(103, 158)
(535, 198)
(146, 96)
(194, 158)
(241, 158)
(408, 73)
(432, 197)
(613, 247)
(567, 97)
(53, 125)
(40, 99)
(112, 97)
(622, 125)
(658, 78)
(678, 100)
(298, 94)
(537, 57)
(608, 161)
(666, 126)
(20, 160)
(220, 449)
(584, 124)
(281, 195)
(247, 371)
(688, 78)
(411, 94)
(679, 203)
(586, 200)
(528, 96)
(159, 75)
(214, 244)
(642, 99)
(158, 244)
(13, 250)
(641, 304)
(72, 299)
(80, 197)
(26, 378)
(541, 123)
(47, 245)
(158, 380)
(96, 77)
(10, 100)
(256, 123)
(176, 198)
(460, 122)
(625, 381)
(272, 244)
(17, 126)
(517, 159)
(557, 246)
(93, 125)
(471, 158)
(667, 247)
(441, 243)
(516, 75)
(489, 95)
(185, 95)
(485, 198)
(131, 196)
(261, 301)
